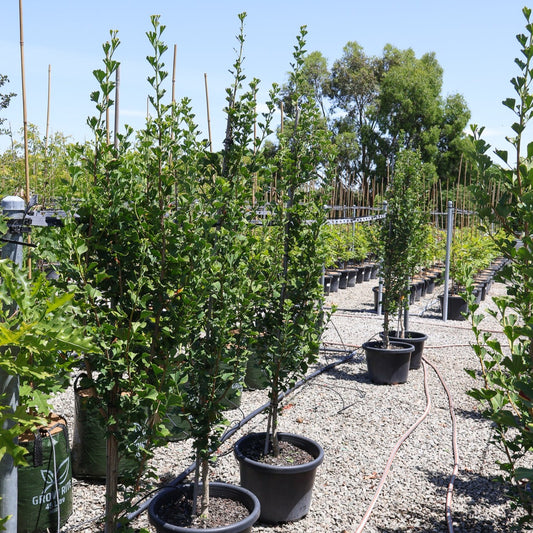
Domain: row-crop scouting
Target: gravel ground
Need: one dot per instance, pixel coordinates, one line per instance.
(358, 424)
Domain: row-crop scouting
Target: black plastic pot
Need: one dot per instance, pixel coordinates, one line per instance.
(352, 274)
(375, 290)
(284, 491)
(343, 280)
(220, 490)
(417, 340)
(456, 306)
(335, 278)
(368, 272)
(388, 366)
(327, 284)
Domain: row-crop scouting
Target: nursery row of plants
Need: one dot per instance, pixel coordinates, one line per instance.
(167, 284)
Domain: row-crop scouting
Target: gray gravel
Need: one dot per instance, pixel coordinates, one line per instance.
(358, 424)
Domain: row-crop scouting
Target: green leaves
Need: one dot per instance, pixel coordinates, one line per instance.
(507, 368)
(38, 338)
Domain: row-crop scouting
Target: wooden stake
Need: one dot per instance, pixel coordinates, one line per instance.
(25, 123)
(47, 112)
(174, 75)
(117, 101)
(24, 108)
(47, 130)
(208, 113)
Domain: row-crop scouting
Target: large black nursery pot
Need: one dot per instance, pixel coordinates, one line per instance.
(284, 491)
(164, 499)
(388, 366)
(417, 340)
(457, 305)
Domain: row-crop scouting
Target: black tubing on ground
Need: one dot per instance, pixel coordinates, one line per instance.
(177, 480)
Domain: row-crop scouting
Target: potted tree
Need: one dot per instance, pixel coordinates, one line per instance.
(291, 319)
(214, 352)
(142, 226)
(389, 360)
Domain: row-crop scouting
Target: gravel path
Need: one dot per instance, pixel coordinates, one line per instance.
(358, 424)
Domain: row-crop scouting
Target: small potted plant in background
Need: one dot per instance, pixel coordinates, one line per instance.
(292, 316)
(401, 235)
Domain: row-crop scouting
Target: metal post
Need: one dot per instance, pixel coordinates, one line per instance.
(449, 237)
(13, 207)
(380, 280)
(406, 307)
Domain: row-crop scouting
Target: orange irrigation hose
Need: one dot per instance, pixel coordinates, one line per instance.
(393, 454)
(449, 492)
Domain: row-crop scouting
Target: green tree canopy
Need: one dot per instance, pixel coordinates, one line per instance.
(5, 99)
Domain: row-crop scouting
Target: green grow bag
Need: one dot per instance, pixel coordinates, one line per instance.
(45, 485)
(89, 454)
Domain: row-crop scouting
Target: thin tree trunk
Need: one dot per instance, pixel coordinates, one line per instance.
(112, 466)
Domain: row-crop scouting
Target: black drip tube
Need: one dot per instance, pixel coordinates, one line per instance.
(231, 431)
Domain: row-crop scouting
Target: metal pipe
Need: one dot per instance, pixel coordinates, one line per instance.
(13, 207)
(449, 237)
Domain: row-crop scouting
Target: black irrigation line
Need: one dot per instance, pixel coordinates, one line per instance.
(231, 431)
(146, 500)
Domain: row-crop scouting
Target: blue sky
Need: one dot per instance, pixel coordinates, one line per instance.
(474, 41)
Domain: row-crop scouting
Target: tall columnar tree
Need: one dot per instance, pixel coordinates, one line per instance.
(290, 314)
(402, 235)
(506, 389)
(128, 252)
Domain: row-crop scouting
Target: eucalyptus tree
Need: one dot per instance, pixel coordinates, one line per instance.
(381, 100)
(353, 89)
(411, 112)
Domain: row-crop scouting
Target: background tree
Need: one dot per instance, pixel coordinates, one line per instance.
(5, 99)
(372, 102)
(353, 89)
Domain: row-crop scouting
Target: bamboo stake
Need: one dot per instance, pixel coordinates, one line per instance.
(174, 75)
(117, 99)
(208, 113)
(24, 108)
(25, 122)
(47, 129)
(47, 111)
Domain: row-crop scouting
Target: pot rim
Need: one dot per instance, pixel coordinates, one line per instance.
(402, 347)
(290, 437)
(243, 524)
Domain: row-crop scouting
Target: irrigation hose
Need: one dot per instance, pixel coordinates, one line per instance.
(449, 492)
(231, 431)
(392, 455)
